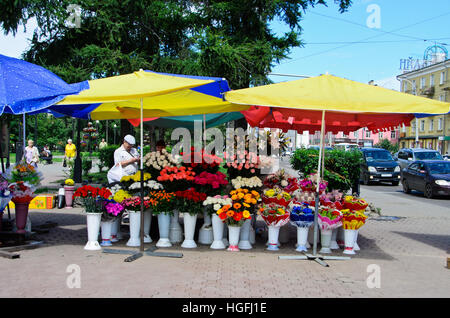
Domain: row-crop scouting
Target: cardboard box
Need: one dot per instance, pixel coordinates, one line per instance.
(40, 202)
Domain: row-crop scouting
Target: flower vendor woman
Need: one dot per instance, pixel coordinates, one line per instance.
(127, 156)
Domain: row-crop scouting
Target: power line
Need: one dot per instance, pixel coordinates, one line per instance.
(365, 39)
(374, 42)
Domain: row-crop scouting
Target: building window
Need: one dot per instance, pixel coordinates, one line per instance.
(422, 125)
(368, 134)
(393, 134)
(442, 98)
(414, 87)
(380, 135)
(440, 123)
(442, 80)
(431, 124)
(413, 126)
(422, 82)
(432, 80)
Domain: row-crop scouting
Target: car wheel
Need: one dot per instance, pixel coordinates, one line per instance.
(428, 191)
(406, 188)
(395, 183)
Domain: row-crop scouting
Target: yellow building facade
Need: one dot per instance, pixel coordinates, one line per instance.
(432, 82)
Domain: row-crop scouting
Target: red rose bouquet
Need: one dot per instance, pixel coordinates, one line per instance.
(134, 203)
(93, 198)
(22, 192)
(190, 201)
(210, 183)
(201, 161)
(274, 214)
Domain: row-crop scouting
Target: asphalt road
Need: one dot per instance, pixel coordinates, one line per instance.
(414, 196)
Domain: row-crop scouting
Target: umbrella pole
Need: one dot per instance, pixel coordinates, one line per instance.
(151, 251)
(24, 133)
(314, 256)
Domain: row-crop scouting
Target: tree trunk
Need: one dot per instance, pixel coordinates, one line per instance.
(125, 129)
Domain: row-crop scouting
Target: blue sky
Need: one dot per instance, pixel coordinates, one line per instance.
(361, 62)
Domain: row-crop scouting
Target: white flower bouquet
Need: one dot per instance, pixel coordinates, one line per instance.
(240, 182)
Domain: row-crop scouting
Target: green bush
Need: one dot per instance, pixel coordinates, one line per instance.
(86, 165)
(342, 168)
(386, 144)
(107, 155)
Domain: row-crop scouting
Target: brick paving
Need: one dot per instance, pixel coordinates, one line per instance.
(411, 252)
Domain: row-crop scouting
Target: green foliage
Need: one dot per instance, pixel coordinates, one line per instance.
(86, 165)
(386, 144)
(342, 168)
(106, 155)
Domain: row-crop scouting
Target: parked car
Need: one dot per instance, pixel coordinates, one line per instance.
(318, 147)
(432, 177)
(346, 146)
(378, 165)
(405, 156)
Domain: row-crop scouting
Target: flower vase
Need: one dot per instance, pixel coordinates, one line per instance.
(93, 227)
(302, 238)
(217, 226)
(163, 226)
(106, 227)
(115, 228)
(325, 241)
(147, 224)
(334, 245)
(135, 226)
(355, 245)
(189, 229)
(233, 237)
(205, 235)
(175, 231)
(225, 234)
(340, 237)
(244, 240)
(274, 231)
(21, 216)
(349, 236)
(68, 196)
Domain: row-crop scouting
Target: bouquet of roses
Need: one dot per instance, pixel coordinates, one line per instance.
(201, 161)
(301, 215)
(276, 196)
(353, 220)
(247, 198)
(149, 185)
(157, 160)
(301, 197)
(22, 192)
(329, 218)
(210, 183)
(234, 214)
(241, 182)
(134, 203)
(354, 203)
(190, 200)
(332, 199)
(174, 178)
(215, 203)
(23, 172)
(310, 184)
(282, 180)
(93, 198)
(162, 201)
(243, 163)
(127, 181)
(274, 214)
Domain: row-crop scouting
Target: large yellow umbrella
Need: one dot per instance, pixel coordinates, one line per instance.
(162, 95)
(327, 93)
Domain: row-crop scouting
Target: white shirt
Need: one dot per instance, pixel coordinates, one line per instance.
(121, 155)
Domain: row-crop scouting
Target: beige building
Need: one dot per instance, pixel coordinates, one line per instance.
(431, 81)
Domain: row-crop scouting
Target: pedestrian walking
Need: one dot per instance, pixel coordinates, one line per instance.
(31, 154)
(102, 144)
(70, 152)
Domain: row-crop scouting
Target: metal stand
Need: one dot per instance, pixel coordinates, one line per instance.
(138, 254)
(314, 256)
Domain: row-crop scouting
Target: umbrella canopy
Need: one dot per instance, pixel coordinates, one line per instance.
(119, 97)
(26, 87)
(331, 93)
(212, 120)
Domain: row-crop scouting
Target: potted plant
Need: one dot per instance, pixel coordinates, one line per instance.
(351, 222)
(93, 202)
(133, 206)
(113, 211)
(329, 219)
(213, 204)
(275, 216)
(162, 203)
(69, 189)
(302, 216)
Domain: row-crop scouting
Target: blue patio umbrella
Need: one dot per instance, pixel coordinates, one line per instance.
(29, 88)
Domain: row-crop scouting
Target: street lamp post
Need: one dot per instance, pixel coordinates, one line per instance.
(115, 129)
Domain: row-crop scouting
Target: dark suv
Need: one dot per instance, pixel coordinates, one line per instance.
(378, 165)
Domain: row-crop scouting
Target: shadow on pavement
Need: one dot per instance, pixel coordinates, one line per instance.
(438, 241)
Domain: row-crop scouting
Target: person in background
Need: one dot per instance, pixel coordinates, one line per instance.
(160, 145)
(46, 151)
(70, 151)
(31, 154)
(102, 144)
(127, 156)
